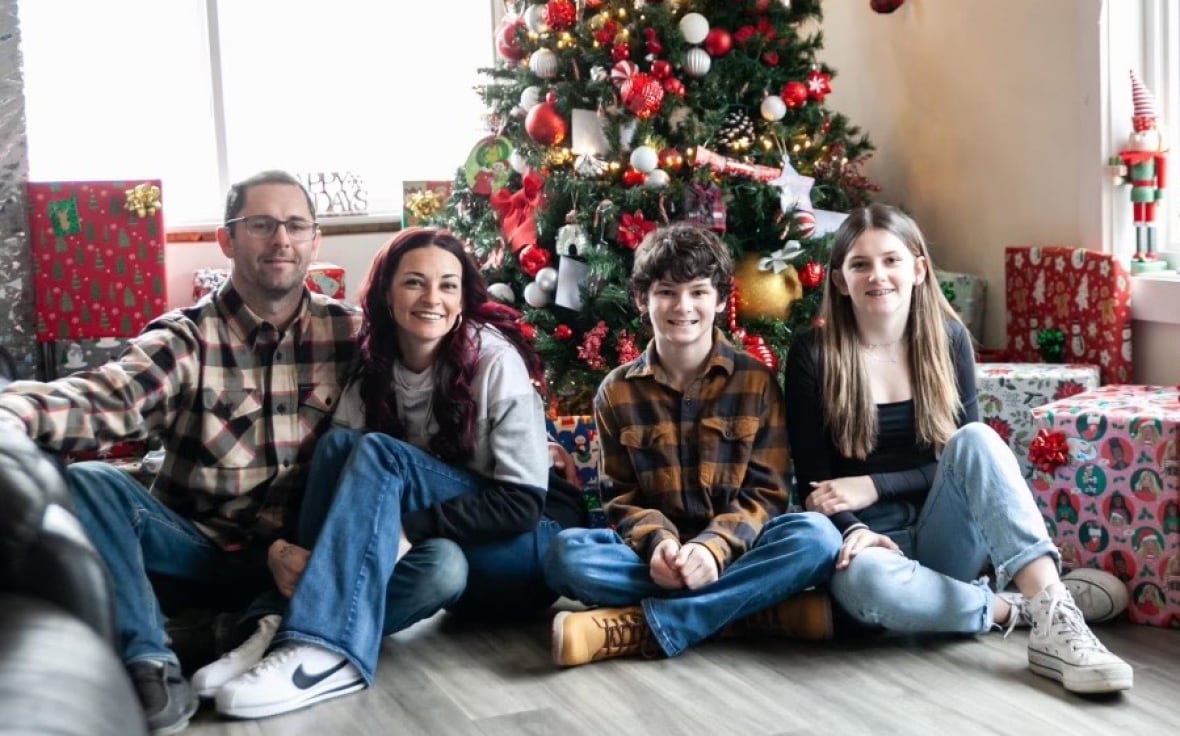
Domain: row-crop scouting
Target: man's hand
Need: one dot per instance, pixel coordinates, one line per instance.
(842, 494)
(862, 539)
(286, 562)
(696, 565)
(664, 570)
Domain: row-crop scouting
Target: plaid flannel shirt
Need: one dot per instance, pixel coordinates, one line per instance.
(237, 404)
(706, 465)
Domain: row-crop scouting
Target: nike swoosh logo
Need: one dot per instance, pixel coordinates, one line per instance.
(304, 681)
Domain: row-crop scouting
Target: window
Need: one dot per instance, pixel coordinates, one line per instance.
(202, 93)
(1162, 73)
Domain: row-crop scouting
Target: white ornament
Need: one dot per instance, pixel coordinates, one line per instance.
(530, 97)
(535, 296)
(543, 62)
(502, 293)
(534, 19)
(697, 62)
(645, 159)
(694, 27)
(547, 279)
(598, 74)
(657, 179)
(517, 162)
(773, 108)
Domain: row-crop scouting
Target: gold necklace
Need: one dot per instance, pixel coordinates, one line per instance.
(870, 351)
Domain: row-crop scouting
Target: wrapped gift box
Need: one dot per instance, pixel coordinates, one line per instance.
(98, 257)
(1115, 503)
(65, 357)
(1083, 294)
(322, 278)
(1009, 391)
(326, 278)
(577, 435)
(968, 295)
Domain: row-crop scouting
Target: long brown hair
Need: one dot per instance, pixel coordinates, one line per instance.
(848, 404)
(458, 358)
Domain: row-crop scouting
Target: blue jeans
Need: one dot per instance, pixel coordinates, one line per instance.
(348, 596)
(794, 552)
(136, 534)
(978, 507)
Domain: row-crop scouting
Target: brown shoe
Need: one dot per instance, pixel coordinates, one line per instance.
(807, 615)
(601, 633)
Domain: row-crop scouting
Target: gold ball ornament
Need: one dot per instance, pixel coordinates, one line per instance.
(764, 294)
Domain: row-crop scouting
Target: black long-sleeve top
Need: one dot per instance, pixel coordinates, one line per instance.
(899, 467)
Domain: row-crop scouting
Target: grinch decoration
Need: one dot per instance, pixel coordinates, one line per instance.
(623, 116)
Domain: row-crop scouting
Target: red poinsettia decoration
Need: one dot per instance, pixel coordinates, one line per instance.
(533, 259)
(1002, 427)
(633, 227)
(561, 14)
(1049, 450)
(562, 332)
(1067, 389)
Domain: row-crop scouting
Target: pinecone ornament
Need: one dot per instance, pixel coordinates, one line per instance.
(737, 132)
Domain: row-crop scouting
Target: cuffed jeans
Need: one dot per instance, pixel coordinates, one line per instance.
(978, 507)
(348, 597)
(135, 535)
(595, 566)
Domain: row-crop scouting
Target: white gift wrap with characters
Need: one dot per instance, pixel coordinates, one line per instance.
(968, 295)
(1009, 391)
(1115, 502)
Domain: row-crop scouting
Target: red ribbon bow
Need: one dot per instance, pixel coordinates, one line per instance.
(518, 211)
(1049, 450)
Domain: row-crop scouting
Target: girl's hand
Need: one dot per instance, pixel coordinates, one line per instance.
(862, 539)
(842, 494)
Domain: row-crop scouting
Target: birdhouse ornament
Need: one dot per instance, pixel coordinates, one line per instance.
(1142, 165)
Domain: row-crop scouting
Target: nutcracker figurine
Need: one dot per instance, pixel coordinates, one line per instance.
(1142, 164)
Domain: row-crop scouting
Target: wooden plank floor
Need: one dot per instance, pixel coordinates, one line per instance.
(440, 677)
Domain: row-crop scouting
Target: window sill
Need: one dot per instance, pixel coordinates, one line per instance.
(343, 225)
(1155, 297)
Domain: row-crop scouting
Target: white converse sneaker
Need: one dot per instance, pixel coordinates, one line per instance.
(209, 679)
(1062, 647)
(1099, 595)
(291, 677)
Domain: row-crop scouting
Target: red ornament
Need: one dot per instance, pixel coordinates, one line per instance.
(642, 94)
(811, 276)
(533, 259)
(606, 35)
(560, 14)
(819, 84)
(661, 68)
(674, 86)
(794, 94)
(620, 52)
(885, 6)
(718, 43)
(529, 330)
(770, 58)
(818, 322)
(758, 6)
(507, 42)
(562, 332)
(544, 123)
(671, 160)
(1049, 450)
(633, 178)
(756, 345)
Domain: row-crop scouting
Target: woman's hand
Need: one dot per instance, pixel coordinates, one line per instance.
(696, 565)
(563, 462)
(664, 571)
(286, 562)
(859, 540)
(842, 494)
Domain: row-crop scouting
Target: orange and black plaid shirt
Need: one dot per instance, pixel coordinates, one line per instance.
(707, 464)
(237, 404)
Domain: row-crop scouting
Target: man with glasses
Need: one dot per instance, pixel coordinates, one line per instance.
(238, 388)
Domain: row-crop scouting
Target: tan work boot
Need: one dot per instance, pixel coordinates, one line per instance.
(807, 615)
(601, 633)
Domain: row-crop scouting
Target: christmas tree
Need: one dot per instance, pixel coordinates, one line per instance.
(611, 117)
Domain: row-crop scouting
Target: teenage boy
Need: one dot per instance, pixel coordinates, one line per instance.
(694, 467)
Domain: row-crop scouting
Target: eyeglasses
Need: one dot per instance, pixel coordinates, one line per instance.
(264, 226)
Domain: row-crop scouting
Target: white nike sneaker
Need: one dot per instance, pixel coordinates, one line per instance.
(291, 677)
(209, 679)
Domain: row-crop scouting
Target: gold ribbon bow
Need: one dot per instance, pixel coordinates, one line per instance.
(424, 204)
(143, 199)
